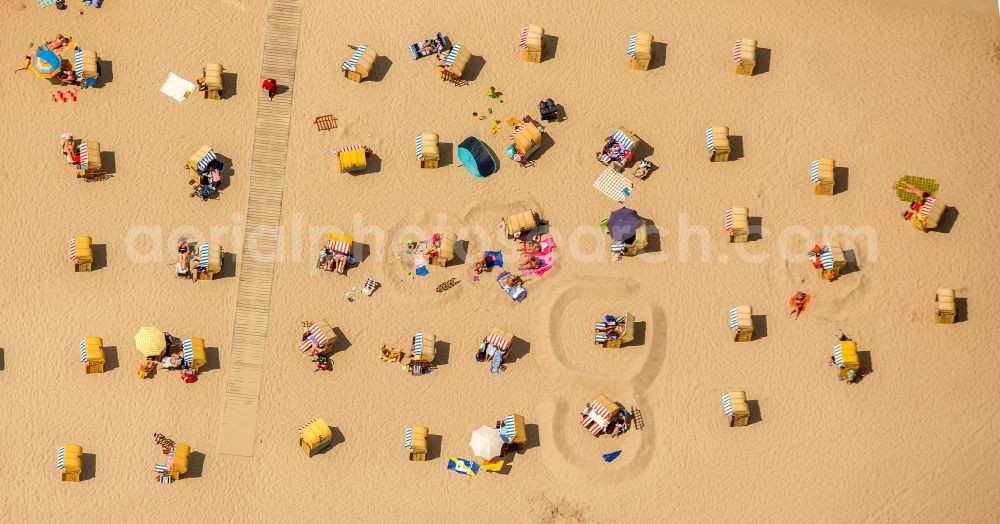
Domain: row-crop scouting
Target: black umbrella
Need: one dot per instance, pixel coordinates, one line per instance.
(622, 224)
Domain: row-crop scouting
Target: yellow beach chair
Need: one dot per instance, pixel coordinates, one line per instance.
(415, 440)
(822, 175)
(717, 142)
(446, 252)
(315, 437)
(734, 406)
(92, 354)
(427, 150)
(737, 224)
(944, 306)
(69, 459)
(640, 51)
(741, 323)
(359, 66)
(81, 253)
(213, 81)
(745, 56)
(531, 42)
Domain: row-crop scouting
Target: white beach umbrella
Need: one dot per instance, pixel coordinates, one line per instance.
(486, 442)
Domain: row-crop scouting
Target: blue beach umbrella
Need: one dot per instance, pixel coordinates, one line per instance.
(623, 223)
(45, 63)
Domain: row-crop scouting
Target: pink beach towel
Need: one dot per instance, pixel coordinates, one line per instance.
(546, 265)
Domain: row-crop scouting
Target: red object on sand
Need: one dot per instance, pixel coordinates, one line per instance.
(269, 85)
(188, 376)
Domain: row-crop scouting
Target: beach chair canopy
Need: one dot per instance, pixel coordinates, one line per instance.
(457, 59)
(69, 458)
(734, 403)
(423, 347)
(353, 157)
(740, 318)
(178, 458)
(415, 439)
(598, 414)
(845, 355)
(640, 45)
(320, 334)
(316, 433)
(447, 249)
(524, 221)
(340, 243)
(499, 338)
(427, 146)
(526, 138)
(92, 350)
(80, 249)
(744, 50)
(361, 61)
(736, 219)
(194, 351)
(201, 158)
(531, 38)
(512, 429)
(476, 157)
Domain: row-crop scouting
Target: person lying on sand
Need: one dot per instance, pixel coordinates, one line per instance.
(798, 303)
(530, 263)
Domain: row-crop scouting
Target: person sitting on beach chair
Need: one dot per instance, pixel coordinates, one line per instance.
(325, 260)
(621, 425)
(340, 260)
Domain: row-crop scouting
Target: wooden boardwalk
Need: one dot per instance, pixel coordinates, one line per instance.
(256, 267)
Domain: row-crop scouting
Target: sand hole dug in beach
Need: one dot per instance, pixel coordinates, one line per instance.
(568, 447)
(573, 315)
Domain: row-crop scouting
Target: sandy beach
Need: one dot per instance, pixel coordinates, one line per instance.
(887, 89)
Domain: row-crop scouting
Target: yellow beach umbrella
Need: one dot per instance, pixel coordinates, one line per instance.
(150, 342)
